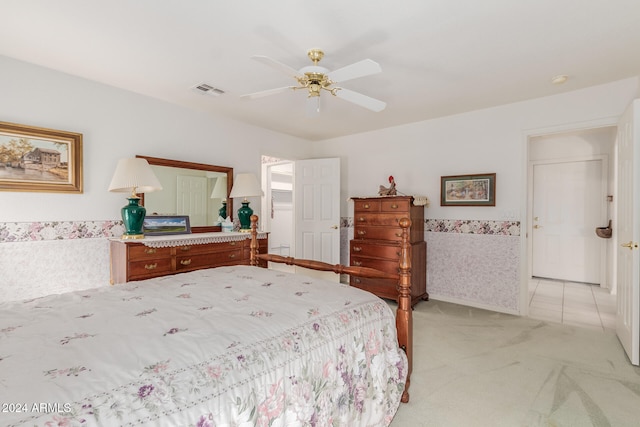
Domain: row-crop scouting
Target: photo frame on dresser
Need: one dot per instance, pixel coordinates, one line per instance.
(39, 159)
(468, 190)
(163, 225)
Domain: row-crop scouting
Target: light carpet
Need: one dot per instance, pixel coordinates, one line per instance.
(475, 367)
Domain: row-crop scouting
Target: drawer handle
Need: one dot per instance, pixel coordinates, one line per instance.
(366, 206)
(185, 248)
(357, 280)
(232, 243)
(357, 249)
(151, 266)
(150, 250)
(232, 255)
(357, 263)
(398, 234)
(394, 206)
(361, 219)
(362, 232)
(185, 262)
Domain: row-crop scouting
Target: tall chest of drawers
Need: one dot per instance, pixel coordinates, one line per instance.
(376, 244)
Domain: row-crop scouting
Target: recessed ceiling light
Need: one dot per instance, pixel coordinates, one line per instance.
(558, 80)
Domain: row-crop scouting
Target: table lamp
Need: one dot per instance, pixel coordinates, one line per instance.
(136, 176)
(220, 192)
(245, 185)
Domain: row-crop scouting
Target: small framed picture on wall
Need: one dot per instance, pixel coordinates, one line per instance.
(468, 190)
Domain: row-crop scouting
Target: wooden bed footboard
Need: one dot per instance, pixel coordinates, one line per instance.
(404, 317)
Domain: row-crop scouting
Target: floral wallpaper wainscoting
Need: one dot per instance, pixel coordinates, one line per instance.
(469, 262)
(42, 258)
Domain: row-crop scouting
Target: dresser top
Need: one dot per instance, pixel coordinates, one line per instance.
(192, 239)
(382, 197)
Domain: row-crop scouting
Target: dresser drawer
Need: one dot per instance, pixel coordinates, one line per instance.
(207, 260)
(149, 268)
(363, 248)
(379, 219)
(388, 266)
(366, 205)
(207, 248)
(378, 233)
(384, 288)
(138, 252)
(395, 205)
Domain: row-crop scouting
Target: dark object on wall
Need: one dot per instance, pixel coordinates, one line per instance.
(604, 232)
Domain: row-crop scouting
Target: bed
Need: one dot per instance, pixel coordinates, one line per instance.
(229, 346)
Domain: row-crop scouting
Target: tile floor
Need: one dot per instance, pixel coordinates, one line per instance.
(571, 303)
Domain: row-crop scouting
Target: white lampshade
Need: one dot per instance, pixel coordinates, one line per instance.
(220, 189)
(134, 175)
(246, 185)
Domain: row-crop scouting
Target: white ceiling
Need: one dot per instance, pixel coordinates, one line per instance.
(438, 57)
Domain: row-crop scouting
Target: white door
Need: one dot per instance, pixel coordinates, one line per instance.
(192, 198)
(568, 204)
(317, 209)
(627, 229)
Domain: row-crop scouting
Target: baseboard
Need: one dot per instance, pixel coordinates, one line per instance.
(471, 304)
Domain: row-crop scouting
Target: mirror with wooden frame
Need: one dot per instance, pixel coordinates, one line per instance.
(187, 189)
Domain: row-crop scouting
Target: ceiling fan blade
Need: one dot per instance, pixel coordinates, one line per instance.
(312, 107)
(366, 67)
(361, 100)
(283, 68)
(266, 92)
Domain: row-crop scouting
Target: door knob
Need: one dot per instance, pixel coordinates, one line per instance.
(629, 245)
(335, 227)
(537, 226)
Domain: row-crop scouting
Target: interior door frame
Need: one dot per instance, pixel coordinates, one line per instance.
(604, 177)
(526, 202)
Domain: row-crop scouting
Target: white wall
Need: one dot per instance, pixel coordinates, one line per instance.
(116, 124)
(470, 264)
(52, 242)
(489, 140)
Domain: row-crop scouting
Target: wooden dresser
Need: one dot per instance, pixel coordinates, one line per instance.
(376, 244)
(159, 256)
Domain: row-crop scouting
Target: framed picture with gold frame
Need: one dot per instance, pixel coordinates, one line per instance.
(468, 190)
(39, 159)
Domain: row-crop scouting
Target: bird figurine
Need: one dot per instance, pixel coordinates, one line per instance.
(388, 191)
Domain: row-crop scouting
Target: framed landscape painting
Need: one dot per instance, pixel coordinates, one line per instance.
(39, 159)
(468, 190)
(162, 225)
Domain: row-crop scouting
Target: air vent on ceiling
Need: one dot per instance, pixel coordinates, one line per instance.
(206, 89)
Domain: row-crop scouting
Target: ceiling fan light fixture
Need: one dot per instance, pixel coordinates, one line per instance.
(315, 79)
(315, 55)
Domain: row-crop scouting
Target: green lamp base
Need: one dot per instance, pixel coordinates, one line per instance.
(133, 218)
(222, 213)
(244, 216)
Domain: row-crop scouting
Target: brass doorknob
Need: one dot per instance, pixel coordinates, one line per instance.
(629, 245)
(537, 226)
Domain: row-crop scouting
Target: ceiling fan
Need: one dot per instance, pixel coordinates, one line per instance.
(316, 79)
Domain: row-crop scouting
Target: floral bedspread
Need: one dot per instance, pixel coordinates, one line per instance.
(231, 346)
